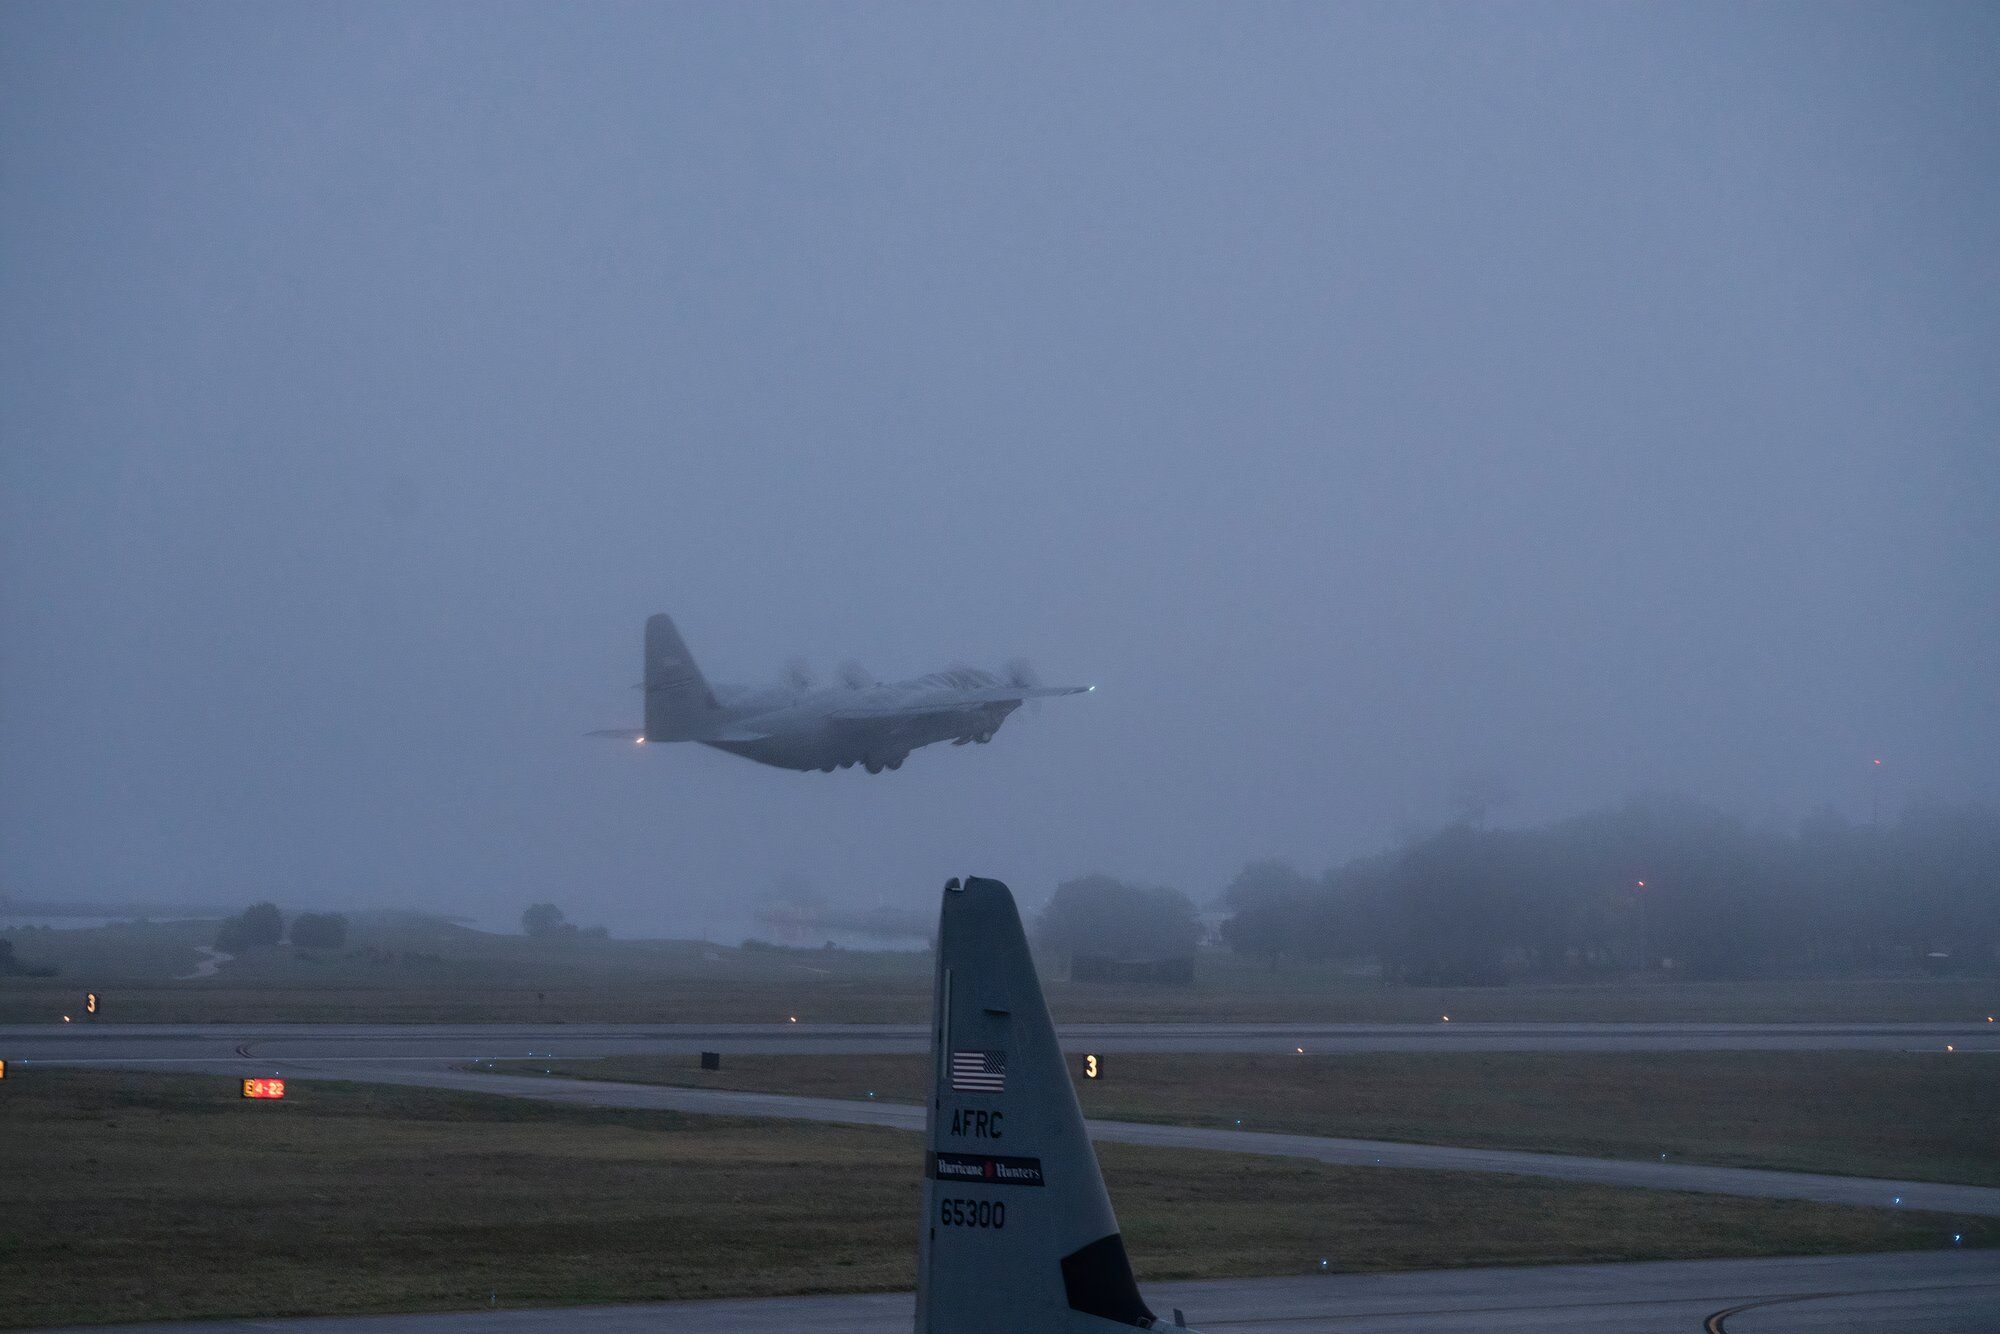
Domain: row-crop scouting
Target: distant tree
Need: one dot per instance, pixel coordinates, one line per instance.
(9, 965)
(1658, 883)
(259, 924)
(545, 919)
(1098, 914)
(1271, 903)
(1267, 881)
(319, 930)
(1454, 919)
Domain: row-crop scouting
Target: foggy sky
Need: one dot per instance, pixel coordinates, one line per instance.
(1358, 394)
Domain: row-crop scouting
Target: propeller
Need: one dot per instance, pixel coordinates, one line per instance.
(856, 677)
(799, 675)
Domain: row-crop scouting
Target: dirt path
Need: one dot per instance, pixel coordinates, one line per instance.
(206, 968)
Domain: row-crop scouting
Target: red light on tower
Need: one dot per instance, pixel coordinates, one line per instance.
(264, 1088)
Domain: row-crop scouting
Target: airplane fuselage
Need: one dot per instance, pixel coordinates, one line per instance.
(819, 729)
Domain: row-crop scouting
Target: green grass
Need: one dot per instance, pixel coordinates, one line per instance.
(458, 976)
(144, 1196)
(1925, 1116)
(406, 968)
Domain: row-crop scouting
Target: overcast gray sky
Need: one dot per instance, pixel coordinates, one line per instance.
(1605, 395)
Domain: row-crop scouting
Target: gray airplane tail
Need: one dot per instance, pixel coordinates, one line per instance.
(679, 704)
(1018, 1231)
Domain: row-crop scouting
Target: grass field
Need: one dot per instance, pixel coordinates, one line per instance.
(445, 974)
(151, 1196)
(1917, 1115)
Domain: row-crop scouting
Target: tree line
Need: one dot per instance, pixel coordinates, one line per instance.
(263, 924)
(1662, 885)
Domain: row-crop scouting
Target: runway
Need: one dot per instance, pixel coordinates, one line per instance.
(1927, 1292)
(165, 1044)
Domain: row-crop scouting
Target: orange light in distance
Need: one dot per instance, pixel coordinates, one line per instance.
(3, 1069)
(263, 1088)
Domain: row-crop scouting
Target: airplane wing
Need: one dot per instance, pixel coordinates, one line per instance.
(956, 700)
(634, 734)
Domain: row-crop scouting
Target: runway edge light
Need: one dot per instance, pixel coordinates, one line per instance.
(264, 1088)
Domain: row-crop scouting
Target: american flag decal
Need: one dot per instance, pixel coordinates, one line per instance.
(978, 1071)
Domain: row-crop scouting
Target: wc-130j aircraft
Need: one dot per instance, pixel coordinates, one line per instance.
(802, 726)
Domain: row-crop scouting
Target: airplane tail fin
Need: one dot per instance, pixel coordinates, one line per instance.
(679, 704)
(1018, 1230)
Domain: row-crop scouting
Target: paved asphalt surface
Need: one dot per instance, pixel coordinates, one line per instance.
(1928, 1292)
(108, 1044)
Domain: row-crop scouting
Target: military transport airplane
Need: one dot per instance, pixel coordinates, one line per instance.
(799, 725)
(1018, 1232)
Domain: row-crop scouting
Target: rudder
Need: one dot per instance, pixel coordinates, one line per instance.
(1018, 1232)
(679, 704)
